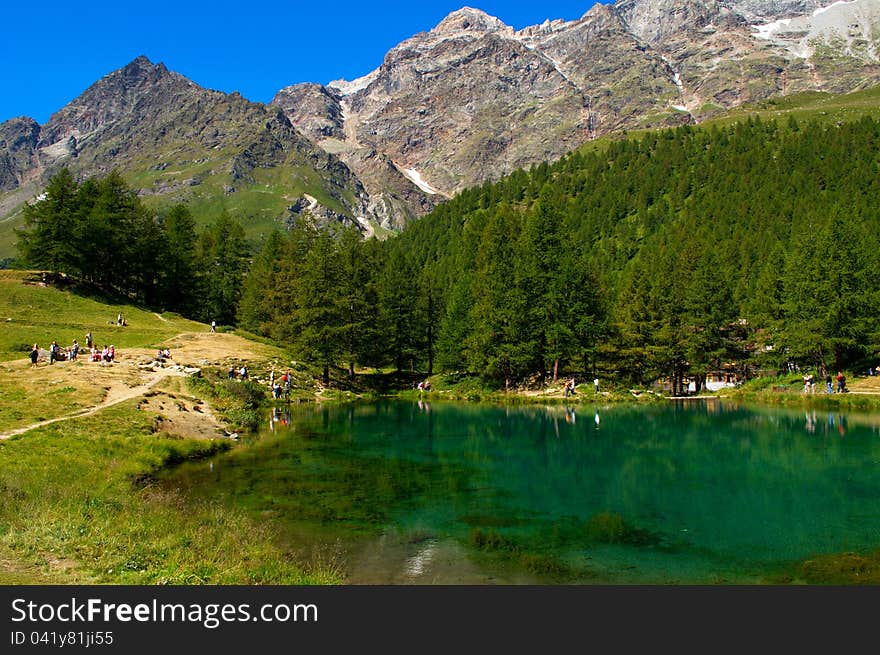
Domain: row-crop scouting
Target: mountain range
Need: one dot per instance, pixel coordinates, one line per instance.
(464, 103)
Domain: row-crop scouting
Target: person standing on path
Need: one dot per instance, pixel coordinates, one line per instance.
(213, 326)
(35, 355)
(89, 339)
(53, 352)
(829, 384)
(596, 384)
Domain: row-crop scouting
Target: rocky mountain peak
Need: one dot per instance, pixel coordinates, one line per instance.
(140, 68)
(470, 21)
(113, 96)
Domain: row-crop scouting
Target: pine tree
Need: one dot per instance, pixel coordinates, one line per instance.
(50, 237)
(318, 316)
(182, 280)
(224, 261)
(257, 309)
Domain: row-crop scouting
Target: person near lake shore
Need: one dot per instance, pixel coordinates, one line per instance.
(841, 382)
(35, 355)
(596, 384)
(809, 381)
(829, 384)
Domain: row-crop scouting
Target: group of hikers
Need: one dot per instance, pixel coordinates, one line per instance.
(105, 355)
(278, 386)
(281, 385)
(810, 383)
(240, 373)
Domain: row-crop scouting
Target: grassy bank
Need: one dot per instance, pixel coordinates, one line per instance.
(788, 391)
(236, 401)
(80, 506)
(470, 388)
(31, 312)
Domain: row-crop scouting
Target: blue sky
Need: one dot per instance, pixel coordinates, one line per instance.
(53, 51)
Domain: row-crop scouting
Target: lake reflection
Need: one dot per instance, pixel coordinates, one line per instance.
(429, 492)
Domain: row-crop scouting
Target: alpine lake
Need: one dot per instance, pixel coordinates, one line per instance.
(696, 492)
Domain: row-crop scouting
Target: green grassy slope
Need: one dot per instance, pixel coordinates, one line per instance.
(33, 313)
(803, 107)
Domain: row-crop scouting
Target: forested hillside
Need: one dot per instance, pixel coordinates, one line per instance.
(690, 250)
(738, 248)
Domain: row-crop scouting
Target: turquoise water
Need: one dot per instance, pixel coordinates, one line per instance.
(441, 493)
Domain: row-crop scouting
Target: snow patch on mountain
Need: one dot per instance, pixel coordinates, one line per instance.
(416, 178)
(767, 31)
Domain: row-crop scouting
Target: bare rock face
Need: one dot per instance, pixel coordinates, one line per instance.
(619, 77)
(313, 109)
(18, 143)
(776, 8)
(452, 107)
(654, 21)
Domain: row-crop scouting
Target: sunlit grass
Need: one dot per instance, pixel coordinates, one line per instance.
(79, 507)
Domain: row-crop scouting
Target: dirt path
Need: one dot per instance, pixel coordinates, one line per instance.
(115, 396)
